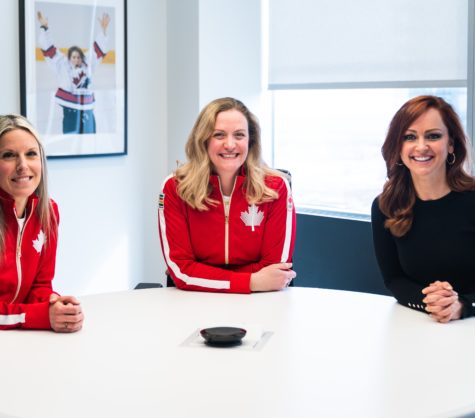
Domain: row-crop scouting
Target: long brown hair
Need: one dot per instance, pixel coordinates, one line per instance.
(399, 196)
(193, 176)
(44, 210)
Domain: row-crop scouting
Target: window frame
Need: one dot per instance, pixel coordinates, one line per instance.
(469, 84)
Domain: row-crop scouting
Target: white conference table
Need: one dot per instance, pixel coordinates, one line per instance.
(331, 354)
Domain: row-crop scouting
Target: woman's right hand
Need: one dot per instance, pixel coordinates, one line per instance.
(43, 21)
(273, 277)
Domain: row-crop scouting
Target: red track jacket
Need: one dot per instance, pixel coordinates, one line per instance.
(207, 251)
(26, 269)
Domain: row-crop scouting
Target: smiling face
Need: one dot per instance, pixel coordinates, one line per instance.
(229, 143)
(425, 148)
(20, 166)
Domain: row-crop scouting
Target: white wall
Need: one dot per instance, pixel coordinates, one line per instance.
(215, 49)
(108, 232)
(230, 50)
(181, 55)
(183, 75)
(231, 57)
(9, 65)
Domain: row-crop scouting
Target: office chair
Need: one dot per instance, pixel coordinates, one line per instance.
(145, 285)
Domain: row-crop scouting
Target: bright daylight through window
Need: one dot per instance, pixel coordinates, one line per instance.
(330, 140)
(339, 70)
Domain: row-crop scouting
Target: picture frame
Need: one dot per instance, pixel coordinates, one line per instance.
(73, 77)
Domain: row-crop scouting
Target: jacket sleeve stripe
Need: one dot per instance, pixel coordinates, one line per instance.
(12, 319)
(288, 226)
(196, 281)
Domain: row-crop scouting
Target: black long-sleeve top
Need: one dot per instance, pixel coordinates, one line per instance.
(439, 246)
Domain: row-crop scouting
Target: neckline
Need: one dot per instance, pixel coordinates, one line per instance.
(448, 196)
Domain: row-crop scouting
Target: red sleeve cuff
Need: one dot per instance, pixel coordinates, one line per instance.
(240, 282)
(36, 316)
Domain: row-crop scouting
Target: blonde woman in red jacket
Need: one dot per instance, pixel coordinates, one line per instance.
(28, 236)
(227, 221)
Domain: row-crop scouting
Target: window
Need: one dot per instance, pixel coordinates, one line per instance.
(330, 140)
(339, 70)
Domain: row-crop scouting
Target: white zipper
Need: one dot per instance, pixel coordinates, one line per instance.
(226, 233)
(18, 252)
(227, 209)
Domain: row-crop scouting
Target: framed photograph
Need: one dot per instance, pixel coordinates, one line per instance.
(73, 75)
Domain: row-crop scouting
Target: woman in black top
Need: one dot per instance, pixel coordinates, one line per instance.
(424, 220)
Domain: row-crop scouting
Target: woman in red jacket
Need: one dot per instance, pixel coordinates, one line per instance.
(226, 220)
(28, 236)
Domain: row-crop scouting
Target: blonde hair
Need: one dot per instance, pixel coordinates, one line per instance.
(193, 177)
(44, 210)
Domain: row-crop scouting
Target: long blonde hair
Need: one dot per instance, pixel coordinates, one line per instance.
(193, 177)
(44, 210)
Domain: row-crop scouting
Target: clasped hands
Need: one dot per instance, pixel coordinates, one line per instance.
(65, 313)
(273, 277)
(442, 302)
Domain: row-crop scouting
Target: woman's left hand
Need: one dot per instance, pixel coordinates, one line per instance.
(442, 302)
(273, 277)
(450, 313)
(65, 313)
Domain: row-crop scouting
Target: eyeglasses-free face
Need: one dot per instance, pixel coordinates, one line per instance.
(426, 147)
(229, 143)
(20, 166)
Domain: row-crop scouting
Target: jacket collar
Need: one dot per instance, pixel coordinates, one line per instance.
(241, 173)
(214, 181)
(8, 202)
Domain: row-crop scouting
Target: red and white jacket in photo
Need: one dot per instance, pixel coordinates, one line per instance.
(26, 268)
(214, 252)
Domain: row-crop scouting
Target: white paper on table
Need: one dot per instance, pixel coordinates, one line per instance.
(255, 337)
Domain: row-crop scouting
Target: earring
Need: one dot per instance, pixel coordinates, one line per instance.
(399, 164)
(452, 161)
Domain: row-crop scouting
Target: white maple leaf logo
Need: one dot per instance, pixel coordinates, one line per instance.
(38, 242)
(253, 217)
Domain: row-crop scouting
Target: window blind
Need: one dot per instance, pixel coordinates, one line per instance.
(318, 42)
